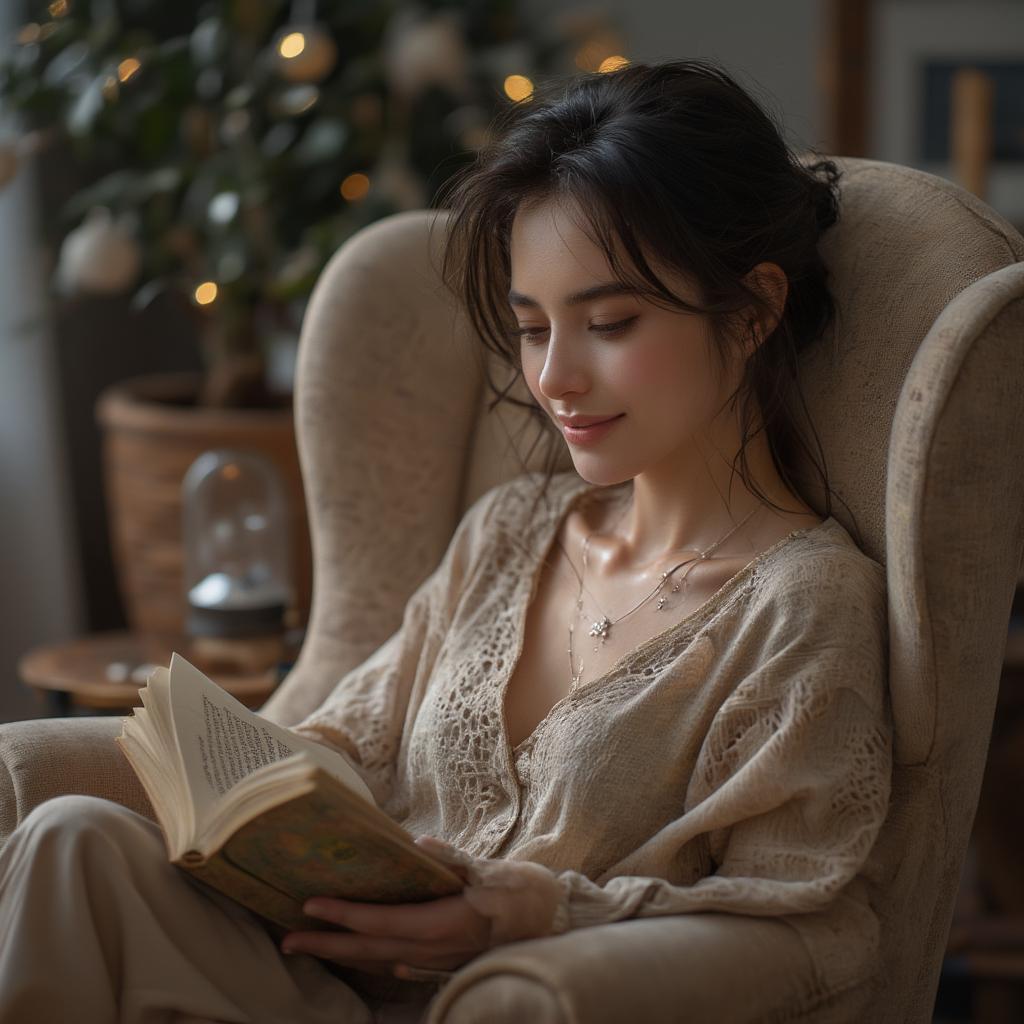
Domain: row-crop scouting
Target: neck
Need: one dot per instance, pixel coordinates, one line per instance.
(681, 507)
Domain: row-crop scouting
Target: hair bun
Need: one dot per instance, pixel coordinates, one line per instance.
(823, 192)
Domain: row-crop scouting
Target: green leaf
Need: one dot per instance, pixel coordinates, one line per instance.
(148, 293)
(115, 190)
(87, 108)
(208, 42)
(73, 59)
(323, 141)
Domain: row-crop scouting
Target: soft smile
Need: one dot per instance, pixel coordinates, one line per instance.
(591, 434)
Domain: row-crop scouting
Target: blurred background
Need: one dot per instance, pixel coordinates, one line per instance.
(173, 178)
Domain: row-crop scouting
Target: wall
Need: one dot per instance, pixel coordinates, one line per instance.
(770, 48)
(906, 33)
(39, 577)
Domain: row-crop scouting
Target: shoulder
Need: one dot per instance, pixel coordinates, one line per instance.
(820, 571)
(817, 608)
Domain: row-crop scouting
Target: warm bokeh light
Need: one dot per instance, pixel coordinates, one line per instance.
(58, 8)
(518, 87)
(613, 63)
(292, 45)
(206, 293)
(28, 33)
(230, 471)
(355, 186)
(600, 47)
(128, 67)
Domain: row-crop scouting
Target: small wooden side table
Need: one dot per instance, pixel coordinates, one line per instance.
(73, 674)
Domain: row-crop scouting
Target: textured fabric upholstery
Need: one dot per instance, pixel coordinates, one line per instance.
(918, 402)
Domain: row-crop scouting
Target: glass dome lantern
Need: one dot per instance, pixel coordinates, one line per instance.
(235, 529)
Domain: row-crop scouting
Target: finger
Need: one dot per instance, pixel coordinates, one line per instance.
(347, 948)
(366, 966)
(293, 946)
(421, 973)
(457, 860)
(428, 921)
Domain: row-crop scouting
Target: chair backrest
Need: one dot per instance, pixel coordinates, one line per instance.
(916, 396)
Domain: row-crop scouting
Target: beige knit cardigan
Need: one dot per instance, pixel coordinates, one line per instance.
(738, 761)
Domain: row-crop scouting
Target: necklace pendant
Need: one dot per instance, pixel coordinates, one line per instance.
(601, 628)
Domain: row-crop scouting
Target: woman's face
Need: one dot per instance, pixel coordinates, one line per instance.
(608, 355)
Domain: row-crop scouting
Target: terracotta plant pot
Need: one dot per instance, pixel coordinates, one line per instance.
(152, 432)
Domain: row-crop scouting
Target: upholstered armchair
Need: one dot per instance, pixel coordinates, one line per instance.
(918, 400)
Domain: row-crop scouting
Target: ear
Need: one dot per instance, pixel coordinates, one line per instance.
(770, 281)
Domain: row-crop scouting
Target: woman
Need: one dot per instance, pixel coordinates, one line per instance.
(655, 685)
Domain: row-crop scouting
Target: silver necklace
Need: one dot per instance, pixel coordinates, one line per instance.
(602, 627)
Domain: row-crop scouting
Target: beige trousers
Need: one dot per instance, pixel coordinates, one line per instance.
(97, 926)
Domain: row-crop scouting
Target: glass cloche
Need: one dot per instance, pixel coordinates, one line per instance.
(237, 573)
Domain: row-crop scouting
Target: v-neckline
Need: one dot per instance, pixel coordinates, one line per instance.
(547, 543)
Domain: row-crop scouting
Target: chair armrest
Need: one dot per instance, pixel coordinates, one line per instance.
(706, 967)
(47, 757)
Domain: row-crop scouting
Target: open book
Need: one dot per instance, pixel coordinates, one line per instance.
(261, 814)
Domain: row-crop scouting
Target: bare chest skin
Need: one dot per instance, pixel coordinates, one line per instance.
(542, 677)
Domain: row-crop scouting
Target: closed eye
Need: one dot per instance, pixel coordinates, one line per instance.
(529, 334)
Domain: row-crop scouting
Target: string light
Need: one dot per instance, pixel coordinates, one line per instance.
(305, 51)
(355, 186)
(58, 8)
(604, 45)
(518, 87)
(292, 45)
(128, 67)
(205, 293)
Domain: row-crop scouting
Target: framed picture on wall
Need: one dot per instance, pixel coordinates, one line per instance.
(917, 46)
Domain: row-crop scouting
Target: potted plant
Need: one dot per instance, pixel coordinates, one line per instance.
(226, 149)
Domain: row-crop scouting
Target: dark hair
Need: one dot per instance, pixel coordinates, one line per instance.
(674, 158)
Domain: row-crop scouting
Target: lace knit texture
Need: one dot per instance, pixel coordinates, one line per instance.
(739, 761)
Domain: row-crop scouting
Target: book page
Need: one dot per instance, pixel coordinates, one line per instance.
(222, 741)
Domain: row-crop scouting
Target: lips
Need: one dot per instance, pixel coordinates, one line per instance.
(585, 421)
(591, 435)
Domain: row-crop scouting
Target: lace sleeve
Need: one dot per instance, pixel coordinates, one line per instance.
(791, 785)
(363, 717)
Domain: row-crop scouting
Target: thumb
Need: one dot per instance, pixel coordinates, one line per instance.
(447, 854)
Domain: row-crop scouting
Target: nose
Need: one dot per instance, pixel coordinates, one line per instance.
(564, 370)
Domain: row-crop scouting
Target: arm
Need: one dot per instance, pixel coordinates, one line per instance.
(792, 793)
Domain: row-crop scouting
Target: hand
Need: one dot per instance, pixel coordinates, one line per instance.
(504, 901)
(439, 934)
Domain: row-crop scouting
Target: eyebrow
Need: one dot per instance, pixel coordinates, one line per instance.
(597, 291)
